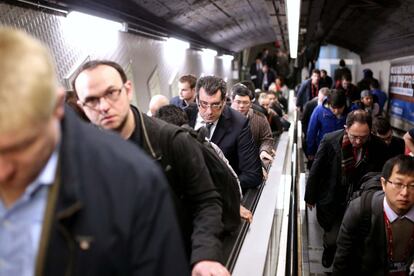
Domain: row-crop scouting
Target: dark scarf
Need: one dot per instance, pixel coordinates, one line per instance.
(350, 164)
(349, 155)
(348, 158)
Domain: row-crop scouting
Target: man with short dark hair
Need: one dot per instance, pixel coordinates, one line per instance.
(327, 117)
(325, 81)
(105, 93)
(73, 200)
(308, 89)
(351, 91)
(186, 91)
(265, 77)
(383, 130)
(228, 129)
(384, 244)
(343, 157)
(255, 69)
(340, 71)
(260, 128)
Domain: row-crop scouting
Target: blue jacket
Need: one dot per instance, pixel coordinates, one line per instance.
(178, 102)
(304, 93)
(381, 97)
(321, 122)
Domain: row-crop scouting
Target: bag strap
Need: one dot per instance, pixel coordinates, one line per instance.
(366, 206)
(146, 138)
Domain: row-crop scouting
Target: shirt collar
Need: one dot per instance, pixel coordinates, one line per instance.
(200, 122)
(46, 176)
(392, 216)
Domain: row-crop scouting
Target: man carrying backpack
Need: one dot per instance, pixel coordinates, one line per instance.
(343, 157)
(104, 94)
(384, 243)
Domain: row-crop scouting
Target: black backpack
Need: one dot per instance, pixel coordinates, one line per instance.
(369, 184)
(221, 175)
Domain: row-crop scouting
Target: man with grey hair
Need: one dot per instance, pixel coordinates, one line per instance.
(228, 129)
(69, 203)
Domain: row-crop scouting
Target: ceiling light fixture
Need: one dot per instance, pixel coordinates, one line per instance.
(209, 52)
(84, 20)
(293, 13)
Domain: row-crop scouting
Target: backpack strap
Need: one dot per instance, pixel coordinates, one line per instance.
(145, 134)
(366, 207)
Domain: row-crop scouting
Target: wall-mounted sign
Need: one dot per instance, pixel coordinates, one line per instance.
(401, 95)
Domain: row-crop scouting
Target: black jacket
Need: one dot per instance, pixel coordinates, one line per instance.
(113, 213)
(356, 255)
(325, 187)
(196, 198)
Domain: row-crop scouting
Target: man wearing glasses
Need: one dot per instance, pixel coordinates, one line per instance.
(105, 94)
(386, 246)
(343, 157)
(228, 129)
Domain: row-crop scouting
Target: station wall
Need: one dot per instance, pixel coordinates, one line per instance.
(153, 65)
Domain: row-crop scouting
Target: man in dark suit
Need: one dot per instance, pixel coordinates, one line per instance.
(382, 128)
(325, 81)
(385, 245)
(186, 90)
(228, 129)
(255, 69)
(265, 77)
(343, 157)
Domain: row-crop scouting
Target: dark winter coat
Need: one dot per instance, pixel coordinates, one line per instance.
(113, 213)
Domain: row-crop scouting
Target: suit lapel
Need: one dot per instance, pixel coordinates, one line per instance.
(223, 126)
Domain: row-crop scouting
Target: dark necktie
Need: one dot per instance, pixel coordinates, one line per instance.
(208, 126)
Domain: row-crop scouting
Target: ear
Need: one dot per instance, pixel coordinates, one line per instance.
(383, 183)
(60, 103)
(129, 89)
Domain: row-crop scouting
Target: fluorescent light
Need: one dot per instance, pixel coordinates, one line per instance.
(227, 57)
(177, 44)
(91, 33)
(175, 51)
(209, 52)
(90, 22)
(293, 13)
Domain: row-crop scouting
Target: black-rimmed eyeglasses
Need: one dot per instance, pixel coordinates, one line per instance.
(213, 106)
(111, 95)
(399, 186)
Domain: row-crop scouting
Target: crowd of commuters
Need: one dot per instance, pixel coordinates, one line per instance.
(348, 141)
(98, 187)
(109, 189)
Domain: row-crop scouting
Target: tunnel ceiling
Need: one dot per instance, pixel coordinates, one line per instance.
(227, 25)
(374, 29)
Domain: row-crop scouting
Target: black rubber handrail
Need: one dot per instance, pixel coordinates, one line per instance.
(233, 242)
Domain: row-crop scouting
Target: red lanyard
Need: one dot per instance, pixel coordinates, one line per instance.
(390, 241)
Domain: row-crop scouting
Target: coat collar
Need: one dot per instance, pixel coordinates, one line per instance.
(70, 201)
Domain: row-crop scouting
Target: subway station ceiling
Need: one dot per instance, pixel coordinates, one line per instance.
(374, 29)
